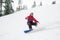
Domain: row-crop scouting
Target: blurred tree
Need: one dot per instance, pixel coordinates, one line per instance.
(34, 4)
(40, 3)
(19, 5)
(54, 2)
(0, 7)
(8, 7)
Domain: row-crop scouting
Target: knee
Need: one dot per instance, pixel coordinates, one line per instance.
(28, 24)
(35, 24)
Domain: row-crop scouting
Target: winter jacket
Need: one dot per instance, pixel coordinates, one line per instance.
(31, 18)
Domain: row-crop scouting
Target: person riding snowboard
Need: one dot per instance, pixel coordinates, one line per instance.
(31, 21)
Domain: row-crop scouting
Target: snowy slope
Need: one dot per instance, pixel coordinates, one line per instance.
(13, 25)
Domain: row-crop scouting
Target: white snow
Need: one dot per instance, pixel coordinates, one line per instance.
(12, 26)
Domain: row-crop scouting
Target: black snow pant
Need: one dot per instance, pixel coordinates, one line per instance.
(30, 25)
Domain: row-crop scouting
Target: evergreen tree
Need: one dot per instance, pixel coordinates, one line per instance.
(34, 4)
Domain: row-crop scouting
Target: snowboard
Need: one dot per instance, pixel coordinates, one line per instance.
(27, 31)
(32, 31)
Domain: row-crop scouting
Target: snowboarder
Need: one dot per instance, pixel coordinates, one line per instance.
(31, 21)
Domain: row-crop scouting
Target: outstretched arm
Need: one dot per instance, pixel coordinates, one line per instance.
(35, 20)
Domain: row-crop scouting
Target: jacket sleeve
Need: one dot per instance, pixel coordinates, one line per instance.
(35, 20)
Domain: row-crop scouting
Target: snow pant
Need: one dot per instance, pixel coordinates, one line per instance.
(30, 25)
